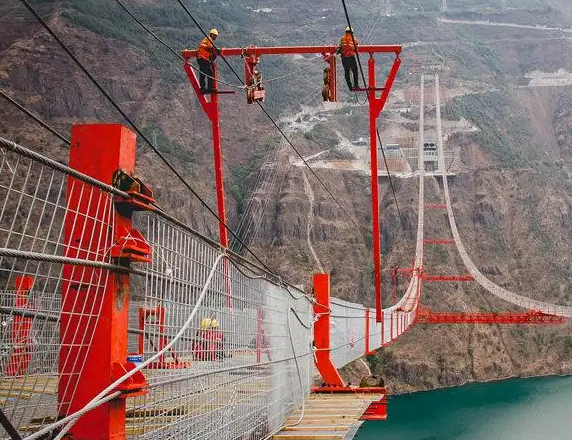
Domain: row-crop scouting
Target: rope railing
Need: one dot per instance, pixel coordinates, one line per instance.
(203, 321)
(174, 326)
(491, 287)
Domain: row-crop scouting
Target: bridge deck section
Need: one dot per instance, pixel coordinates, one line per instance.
(327, 416)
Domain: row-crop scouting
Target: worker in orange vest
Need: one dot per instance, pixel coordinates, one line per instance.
(347, 49)
(205, 57)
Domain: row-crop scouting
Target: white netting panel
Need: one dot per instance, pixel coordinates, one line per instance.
(232, 373)
(347, 331)
(33, 210)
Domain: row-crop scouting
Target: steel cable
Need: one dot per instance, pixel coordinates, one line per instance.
(378, 136)
(173, 51)
(127, 375)
(34, 117)
(188, 12)
(135, 127)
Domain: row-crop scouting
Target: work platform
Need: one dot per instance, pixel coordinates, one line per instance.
(331, 416)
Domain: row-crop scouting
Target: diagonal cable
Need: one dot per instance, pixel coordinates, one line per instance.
(34, 117)
(135, 127)
(270, 118)
(390, 179)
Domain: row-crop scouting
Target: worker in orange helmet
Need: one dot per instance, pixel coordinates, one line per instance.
(206, 56)
(347, 49)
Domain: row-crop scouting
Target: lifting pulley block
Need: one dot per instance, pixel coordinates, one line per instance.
(326, 88)
(253, 80)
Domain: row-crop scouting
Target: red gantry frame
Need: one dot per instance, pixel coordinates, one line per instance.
(255, 93)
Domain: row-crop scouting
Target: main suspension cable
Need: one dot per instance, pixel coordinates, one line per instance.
(135, 127)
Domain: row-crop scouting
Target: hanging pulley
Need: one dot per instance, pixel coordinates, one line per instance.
(253, 78)
(326, 88)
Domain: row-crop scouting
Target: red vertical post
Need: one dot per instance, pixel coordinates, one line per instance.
(391, 330)
(92, 346)
(376, 236)
(322, 359)
(333, 79)
(382, 325)
(21, 326)
(215, 120)
(211, 109)
(367, 332)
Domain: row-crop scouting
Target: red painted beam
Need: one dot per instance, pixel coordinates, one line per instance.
(282, 50)
(447, 278)
(435, 206)
(426, 316)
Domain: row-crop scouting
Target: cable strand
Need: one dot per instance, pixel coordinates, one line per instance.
(188, 12)
(35, 118)
(135, 127)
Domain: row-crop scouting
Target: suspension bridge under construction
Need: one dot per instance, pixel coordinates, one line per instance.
(120, 321)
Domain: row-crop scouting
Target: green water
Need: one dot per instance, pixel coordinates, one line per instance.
(518, 409)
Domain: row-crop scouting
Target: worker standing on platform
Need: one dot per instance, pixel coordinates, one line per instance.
(206, 56)
(348, 48)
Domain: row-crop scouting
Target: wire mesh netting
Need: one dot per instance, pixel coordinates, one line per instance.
(225, 347)
(33, 335)
(240, 365)
(228, 352)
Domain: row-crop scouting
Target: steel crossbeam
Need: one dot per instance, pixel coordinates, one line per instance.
(426, 316)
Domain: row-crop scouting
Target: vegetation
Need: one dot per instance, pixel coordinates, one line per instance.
(322, 135)
(381, 360)
(503, 142)
(166, 146)
(241, 178)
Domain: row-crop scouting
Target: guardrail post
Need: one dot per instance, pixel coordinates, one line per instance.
(21, 327)
(322, 359)
(95, 302)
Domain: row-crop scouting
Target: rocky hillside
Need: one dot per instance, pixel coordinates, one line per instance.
(513, 193)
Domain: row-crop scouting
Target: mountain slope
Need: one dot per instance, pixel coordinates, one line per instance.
(513, 199)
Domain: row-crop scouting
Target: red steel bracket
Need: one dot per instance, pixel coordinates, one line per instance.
(132, 246)
(132, 386)
(130, 243)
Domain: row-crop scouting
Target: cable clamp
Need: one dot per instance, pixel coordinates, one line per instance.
(140, 195)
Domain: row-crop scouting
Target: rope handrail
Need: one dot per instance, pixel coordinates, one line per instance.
(37, 157)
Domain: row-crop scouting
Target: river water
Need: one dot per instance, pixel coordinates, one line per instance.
(516, 409)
